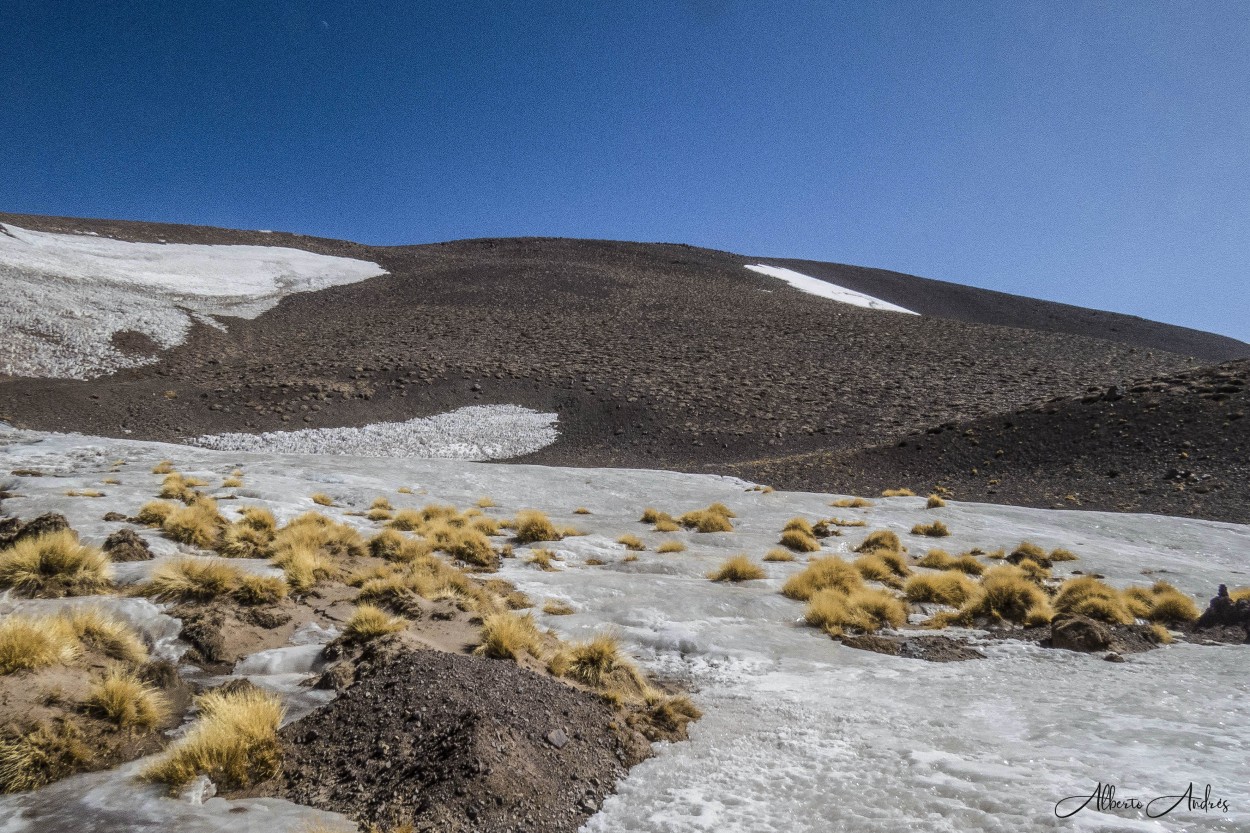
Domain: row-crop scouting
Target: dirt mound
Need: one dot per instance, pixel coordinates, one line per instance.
(458, 743)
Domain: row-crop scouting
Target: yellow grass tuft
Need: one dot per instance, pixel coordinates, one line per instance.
(231, 482)
(1239, 593)
(321, 499)
(257, 590)
(632, 542)
(84, 493)
(778, 554)
(799, 541)
(581, 510)
(258, 518)
(29, 642)
(198, 524)
(404, 490)
(937, 529)
(113, 637)
(471, 546)
(508, 636)
(738, 568)
(801, 524)
(861, 610)
(934, 502)
(542, 559)
(1087, 596)
(594, 661)
(163, 467)
(243, 540)
(369, 622)
(1006, 594)
(485, 503)
(714, 518)
(942, 560)
(671, 546)
(555, 607)
(667, 525)
(386, 544)
(898, 493)
(826, 573)
(1062, 555)
(875, 568)
(532, 526)
(48, 753)
(54, 565)
(946, 588)
(177, 487)
(304, 566)
(124, 699)
(1161, 634)
(1172, 607)
(235, 743)
(882, 539)
(192, 578)
(852, 503)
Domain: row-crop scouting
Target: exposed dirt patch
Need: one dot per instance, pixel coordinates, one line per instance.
(458, 743)
(929, 648)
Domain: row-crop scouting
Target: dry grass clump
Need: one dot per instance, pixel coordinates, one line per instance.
(829, 573)
(542, 559)
(231, 482)
(581, 510)
(508, 636)
(1027, 549)
(555, 607)
(485, 503)
(852, 503)
(235, 742)
(650, 515)
(154, 512)
(378, 514)
(1161, 603)
(36, 758)
(163, 467)
(84, 493)
(112, 637)
(471, 546)
(54, 565)
(321, 499)
(714, 518)
(1087, 596)
(898, 493)
(126, 700)
(382, 502)
(485, 525)
(404, 490)
(738, 568)
(249, 537)
(29, 642)
(315, 531)
(304, 566)
(801, 524)
(667, 715)
(192, 578)
(1239, 593)
(671, 546)
(594, 562)
(844, 522)
(600, 663)
(1007, 594)
(632, 542)
(799, 541)
(405, 520)
(882, 539)
(198, 524)
(667, 525)
(259, 590)
(937, 529)
(873, 567)
(934, 502)
(386, 544)
(860, 610)
(942, 560)
(1161, 634)
(531, 526)
(1061, 554)
(369, 622)
(778, 554)
(946, 588)
(177, 487)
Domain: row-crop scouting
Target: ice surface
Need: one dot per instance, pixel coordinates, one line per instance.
(799, 733)
(476, 432)
(67, 295)
(817, 286)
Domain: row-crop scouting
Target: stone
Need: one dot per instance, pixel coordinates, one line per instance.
(1079, 633)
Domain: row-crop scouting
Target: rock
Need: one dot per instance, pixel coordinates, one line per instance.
(9, 527)
(113, 517)
(199, 790)
(203, 631)
(126, 545)
(1223, 611)
(1078, 633)
(42, 525)
(337, 677)
(1114, 657)
(557, 738)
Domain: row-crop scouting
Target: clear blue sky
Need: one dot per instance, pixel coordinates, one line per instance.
(1096, 153)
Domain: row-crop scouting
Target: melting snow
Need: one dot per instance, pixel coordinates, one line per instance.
(67, 295)
(816, 286)
(477, 432)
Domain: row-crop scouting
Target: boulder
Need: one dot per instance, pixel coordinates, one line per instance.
(126, 545)
(1079, 633)
(1223, 611)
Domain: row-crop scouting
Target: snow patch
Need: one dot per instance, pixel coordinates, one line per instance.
(816, 286)
(477, 432)
(67, 295)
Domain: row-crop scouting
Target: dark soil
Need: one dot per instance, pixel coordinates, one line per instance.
(458, 743)
(930, 648)
(668, 356)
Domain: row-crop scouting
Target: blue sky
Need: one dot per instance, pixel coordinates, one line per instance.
(1092, 153)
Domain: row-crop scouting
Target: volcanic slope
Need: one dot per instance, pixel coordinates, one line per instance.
(652, 355)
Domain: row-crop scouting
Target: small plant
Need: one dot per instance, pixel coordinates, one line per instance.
(937, 529)
(177, 487)
(667, 525)
(126, 700)
(163, 467)
(36, 758)
(845, 523)
(304, 566)
(898, 493)
(1161, 634)
(874, 568)
(368, 623)
(84, 493)
(581, 510)
(801, 524)
(934, 502)
(198, 524)
(322, 499)
(822, 574)
(404, 490)
(381, 503)
(852, 503)
(508, 636)
(778, 554)
(257, 590)
(231, 482)
(799, 541)
(1087, 596)
(112, 637)
(738, 568)
(1172, 607)
(632, 542)
(485, 503)
(1061, 554)
(650, 515)
(542, 559)
(29, 642)
(470, 546)
(555, 607)
(192, 578)
(714, 518)
(386, 544)
(532, 526)
(946, 588)
(234, 742)
(882, 539)
(592, 662)
(1007, 594)
(54, 565)
(671, 546)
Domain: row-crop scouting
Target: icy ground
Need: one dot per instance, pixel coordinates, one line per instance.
(476, 432)
(825, 289)
(67, 295)
(799, 733)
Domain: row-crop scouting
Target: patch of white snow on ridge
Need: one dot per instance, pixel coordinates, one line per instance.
(67, 295)
(477, 432)
(816, 286)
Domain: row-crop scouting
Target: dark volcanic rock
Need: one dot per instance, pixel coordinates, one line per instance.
(13, 530)
(126, 545)
(1079, 633)
(457, 743)
(1225, 616)
(930, 648)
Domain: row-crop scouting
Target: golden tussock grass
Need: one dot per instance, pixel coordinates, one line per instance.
(485, 525)
(860, 610)
(1161, 634)
(191, 578)
(54, 565)
(84, 493)
(369, 622)
(1007, 594)
(1035, 572)
(321, 499)
(631, 542)
(508, 636)
(304, 566)
(29, 642)
(669, 714)
(937, 529)
(543, 560)
(934, 502)
(826, 573)
(799, 541)
(898, 493)
(381, 503)
(163, 467)
(1027, 549)
(1239, 593)
(1061, 554)
(581, 510)
(124, 699)
(875, 568)
(258, 518)
(600, 663)
(650, 515)
(737, 568)
(48, 753)
(845, 523)
(315, 531)
(177, 487)
(671, 546)
(947, 588)
(404, 490)
(231, 482)
(242, 540)
(257, 590)
(630, 559)
(234, 742)
(531, 526)
(485, 503)
(667, 525)
(472, 547)
(852, 503)
(778, 554)
(198, 524)
(594, 562)
(111, 481)
(714, 518)
(800, 524)
(386, 544)
(1087, 596)
(112, 637)
(555, 607)
(570, 532)
(882, 539)
(378, 514)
